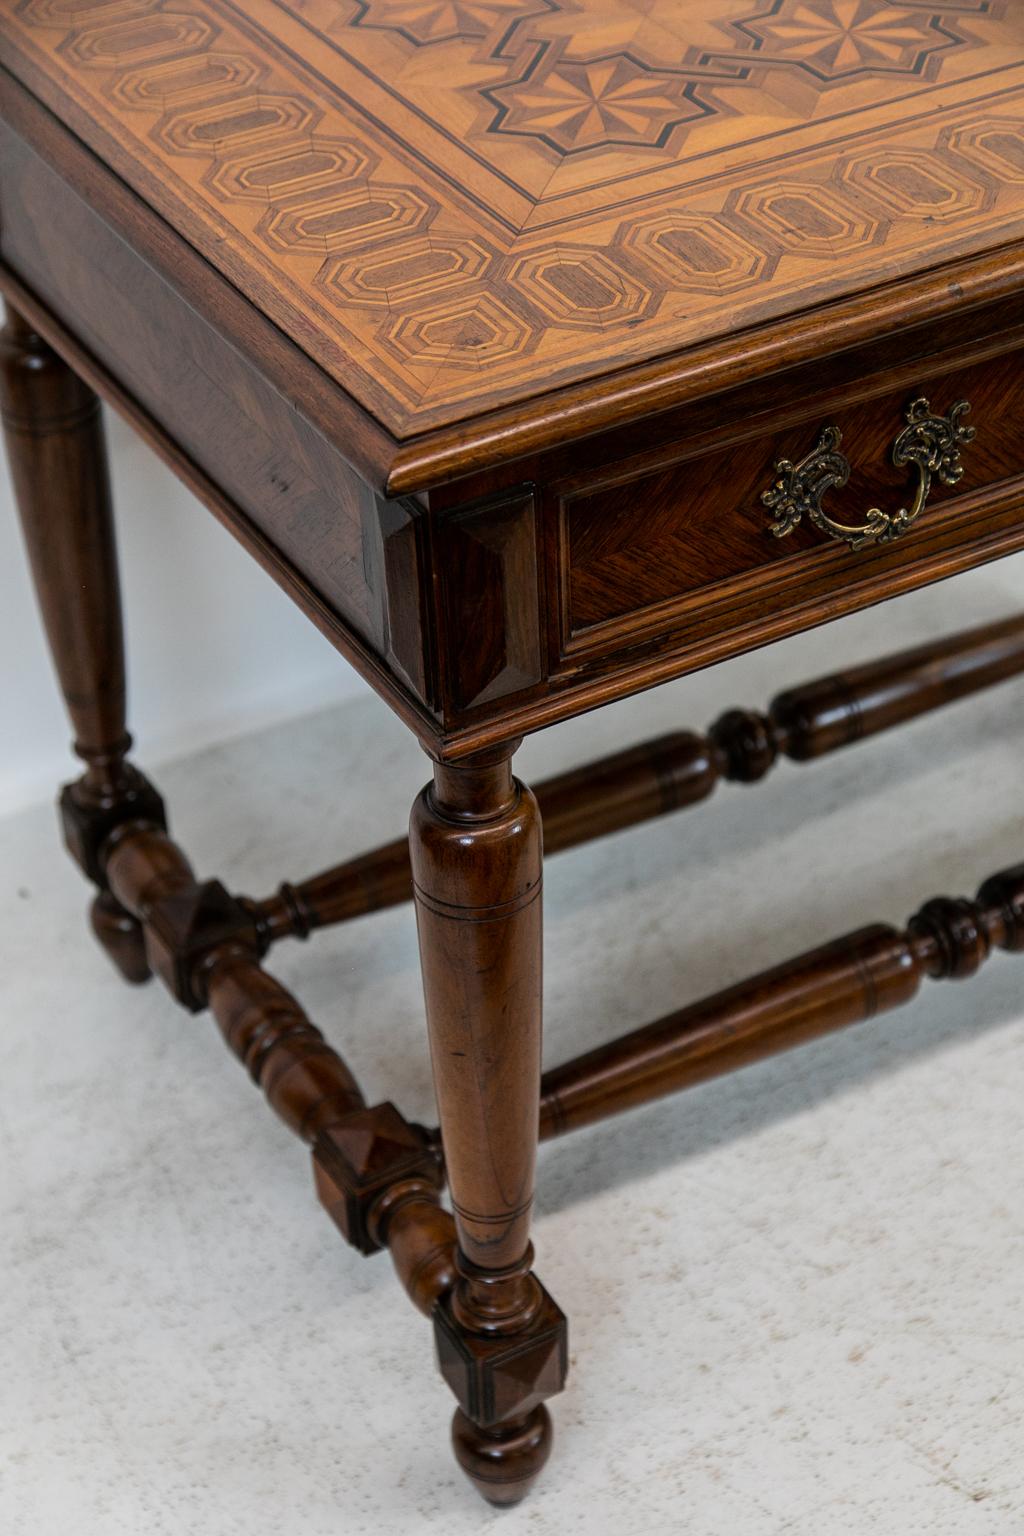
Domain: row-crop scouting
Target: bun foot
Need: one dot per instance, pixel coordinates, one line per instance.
(503, 1463)
(120, 934)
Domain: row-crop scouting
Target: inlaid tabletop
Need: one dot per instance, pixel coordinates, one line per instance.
(455, 204)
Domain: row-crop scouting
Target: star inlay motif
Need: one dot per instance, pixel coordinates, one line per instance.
(440, 21)
(837, 38)
(580, 104)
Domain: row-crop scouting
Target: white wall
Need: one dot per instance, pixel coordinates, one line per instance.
(214, 647)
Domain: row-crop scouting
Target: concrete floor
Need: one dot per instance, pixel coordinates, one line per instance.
(795, 1294)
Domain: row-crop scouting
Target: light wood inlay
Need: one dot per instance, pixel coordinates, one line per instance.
(457, 202)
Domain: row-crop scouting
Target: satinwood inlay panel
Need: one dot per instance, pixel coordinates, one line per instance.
(452, 204)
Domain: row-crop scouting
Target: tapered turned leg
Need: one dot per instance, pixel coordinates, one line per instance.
(475, 843)
(58, 464)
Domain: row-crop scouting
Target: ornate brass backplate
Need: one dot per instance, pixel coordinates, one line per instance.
(930, 442)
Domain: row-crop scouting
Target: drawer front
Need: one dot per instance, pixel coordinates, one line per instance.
(683, 549)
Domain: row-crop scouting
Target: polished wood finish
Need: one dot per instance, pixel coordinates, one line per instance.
(54, 439)
(304, 1079)
(600, 536)
(842, 983)
(501, 1339)
(256, 543)
(287, 480)
(847, 707)
(370, 883)
(475, 845)
(547, 559)
(642, 552)
(120, 935)
(483, 327)
(378, 1177)
(503, 1467)
(410, 1221)
(437, 205)
(59, 468)
(682, 768)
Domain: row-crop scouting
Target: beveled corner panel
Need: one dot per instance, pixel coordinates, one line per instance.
(674, 549)
(487, 566)
(397, 572)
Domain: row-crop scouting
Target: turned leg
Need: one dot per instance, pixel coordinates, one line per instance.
(54, 440)
(475, 843)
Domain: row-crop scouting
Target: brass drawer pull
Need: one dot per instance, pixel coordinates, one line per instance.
(933, 443)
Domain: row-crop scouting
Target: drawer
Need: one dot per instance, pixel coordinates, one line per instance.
(675, 552)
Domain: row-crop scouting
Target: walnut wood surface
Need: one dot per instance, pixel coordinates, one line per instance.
(451, 208)
(638, 552)
(482, 327)
(61, 485)
(305, 1081)
(377, 1175)
(683, 767)
(584, 571)
(476, 858)
(57, 455)
(501, 1339)
(842, 983)
(286, 478)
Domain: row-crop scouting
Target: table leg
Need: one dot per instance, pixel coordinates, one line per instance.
(476, 858)
(54, 439)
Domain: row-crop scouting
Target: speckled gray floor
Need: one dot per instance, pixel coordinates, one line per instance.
(795, 1294)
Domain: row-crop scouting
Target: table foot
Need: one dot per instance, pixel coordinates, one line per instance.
(120, 935)
(503, 1464)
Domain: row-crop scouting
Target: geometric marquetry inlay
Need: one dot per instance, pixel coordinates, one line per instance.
(448, 202)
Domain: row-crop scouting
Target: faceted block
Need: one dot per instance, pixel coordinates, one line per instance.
(88, 823)
(357, 1158)
(503, 1377)
(181, 929)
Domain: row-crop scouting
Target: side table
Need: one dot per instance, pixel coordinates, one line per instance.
(542, 352)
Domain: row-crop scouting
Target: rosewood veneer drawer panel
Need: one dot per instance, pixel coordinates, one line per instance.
(678, 546)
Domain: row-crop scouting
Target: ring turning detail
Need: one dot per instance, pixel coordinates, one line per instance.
(931, 443)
